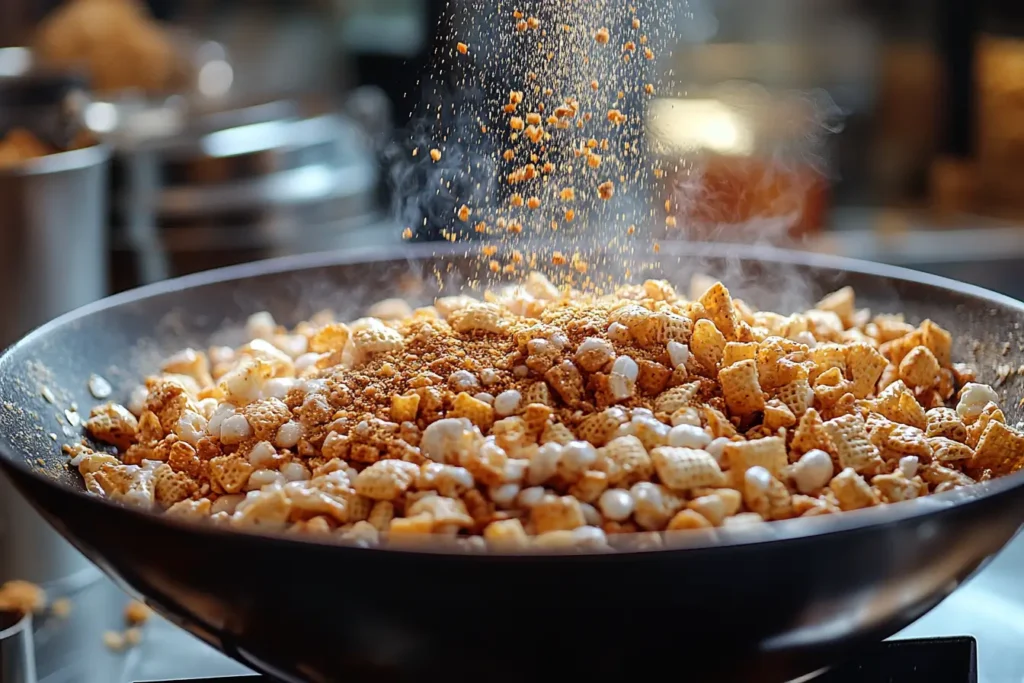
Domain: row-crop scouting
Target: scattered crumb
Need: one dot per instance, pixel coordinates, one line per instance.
(22, 597)
(113, 640)
(133, 636)
(99, 387)
(435, 154)
(137, 613)
(61, 608)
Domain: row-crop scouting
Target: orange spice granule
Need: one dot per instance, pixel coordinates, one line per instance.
(631, 229)
(516, 123)
(593, 160)
(629, 46)
(602, 36)
(658, 173)
(567, 194)
(489, 250)
(534, 133)
(462, 48)
(558, 258)
(515, 227)
(529, 172)
(594, 85)
(626, 58)
(606, 190)
(521, 25)
(407, 234)
(480, 227)
(464, 213)
(516, 199)
(648, 53)
(670, 221)
(508, 155)
(517, 14)
(494, 266)
(435, 154)
(533, 22)
(533, 118)
(509, 268)
(636, 23)
(533, 203)
(515, 96)
(569, 215)
(657, 247)
(510, 108)
(548, 168)
(643, 40)
(649, 89)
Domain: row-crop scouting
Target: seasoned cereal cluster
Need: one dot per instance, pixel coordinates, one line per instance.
(538, 418)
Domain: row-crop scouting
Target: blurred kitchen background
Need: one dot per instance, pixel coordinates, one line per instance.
(890, 130)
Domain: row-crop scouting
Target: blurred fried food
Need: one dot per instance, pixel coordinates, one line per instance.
(21, 145)
(117, 41)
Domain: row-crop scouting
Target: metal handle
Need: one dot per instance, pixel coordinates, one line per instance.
(17, 657)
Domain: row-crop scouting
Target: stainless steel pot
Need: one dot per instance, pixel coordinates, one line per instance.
(53, 258)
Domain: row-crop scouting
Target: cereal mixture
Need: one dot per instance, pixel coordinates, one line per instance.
(22, 597)
(552, 419)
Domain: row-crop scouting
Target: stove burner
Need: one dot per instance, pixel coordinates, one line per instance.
(925, 660)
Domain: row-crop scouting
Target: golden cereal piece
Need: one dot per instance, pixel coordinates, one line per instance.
(945, 450)
(590, 486)
(330, 338)
(682, 469)
(170, 487)
(848, 434)
(230, 472)
(796, 395)
(769, 453)
(743, 395)
(1000, 449)
(672, 400)
(422, 523)
(938, 341)
(557, 513)
(445, 512)
(919, 369)
(381, 514)
(626, 461)
(688, 519)
(405, 408)
(599, 428)
(851, 491)
(112, 423)
(841, 302)
(707, 344)
(738, 351)
(946, 422)
(476, 411)
(865, 366)
(506, 534)
(778, 415)
(718, 303)
(895, 488)
(386, 479)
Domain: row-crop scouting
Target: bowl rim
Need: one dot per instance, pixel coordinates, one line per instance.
(718, 538)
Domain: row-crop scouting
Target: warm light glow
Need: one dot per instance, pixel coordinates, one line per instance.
(690, 125)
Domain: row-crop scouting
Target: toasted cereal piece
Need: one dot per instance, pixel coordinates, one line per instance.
(797, 395)
(717, 423)
(688, 519)
(230, 473)
(990, 413)
(330, 338)
(405, 408)
(476, 411)
(386, 479)
(743, 395)
(478, 317)
(840, 302)
(402, 527)
(567, 382)
(908, 441)
(590, 486)
(896, 349)
(599, 428)
(948, 479)
(137, 613)
(266, 416)
(919, 369)
(827, 357)
(594, 354)
(554, 513)
(626, 461)
(682, 469)
(676, 398)
(486, 463)
(446, 512)
(112, 423)
(778, 415)
(769, 453)
(707, 345)
(736, 351)
(170, 487)
(655, 505)
(718, 303)
(853, 447)
(897, 403)
(946, 450)
(938, 341)
(895, 488)
(1000, 449)
(556, 432)
(766, 495)
(191, 509)
(717, 505)
(743, 519)
(269, 509)
(851, 491)
(381, 514)
(652, 377)
(537, 393)
(864, 366)
(946, 422)
(506, 534)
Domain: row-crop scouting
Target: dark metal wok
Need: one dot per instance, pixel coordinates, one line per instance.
(766, 604)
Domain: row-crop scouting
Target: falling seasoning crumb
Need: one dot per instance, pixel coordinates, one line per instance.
(22, 597)
(670, 221)
(61, 608)
(631, 229)
(516, 200)
(569, 215)
(480, 227)
(567, 194)
(533, 23)
(636, 22)
(489, 250)
(464, 213)
(462, 48)
(558, 258)
(606, 190)
(593, 160)
(435, 154)
(136, 613)
(649, 89)
(133, 636)
(533, 203)
(516, 123)
(648, 53)
(113, 640)
(48, 395)
(602, 36)
(407, 234)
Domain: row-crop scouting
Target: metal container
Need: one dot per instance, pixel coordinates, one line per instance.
(53, 258)
(17, 658)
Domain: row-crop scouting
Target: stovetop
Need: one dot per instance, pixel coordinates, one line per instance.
(983, 619)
